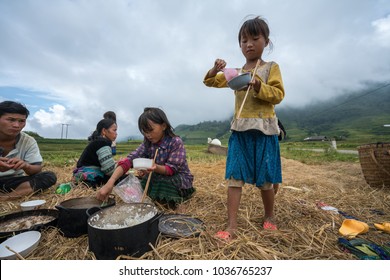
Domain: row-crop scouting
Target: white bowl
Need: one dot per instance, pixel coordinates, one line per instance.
(240, 82)
(22, 243)
(216, 142)
(142, 163)
(32, 204)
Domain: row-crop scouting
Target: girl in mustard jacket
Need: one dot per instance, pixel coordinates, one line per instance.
(253, 149)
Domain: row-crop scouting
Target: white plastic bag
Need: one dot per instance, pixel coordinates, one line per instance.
(129, 189)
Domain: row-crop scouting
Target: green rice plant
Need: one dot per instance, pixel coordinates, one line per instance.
(315, 156)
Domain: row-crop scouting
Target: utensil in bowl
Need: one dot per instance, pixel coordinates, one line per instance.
(32, 204)
(149, 177)
(21, 244)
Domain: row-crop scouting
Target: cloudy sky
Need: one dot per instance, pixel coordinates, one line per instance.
(70, 61)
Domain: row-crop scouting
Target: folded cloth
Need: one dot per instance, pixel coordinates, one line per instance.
(364, 249)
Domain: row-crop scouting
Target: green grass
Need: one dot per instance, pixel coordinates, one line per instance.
(66, 152)
(311, 157)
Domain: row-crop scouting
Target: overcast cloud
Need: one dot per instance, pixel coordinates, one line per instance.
(70, 61)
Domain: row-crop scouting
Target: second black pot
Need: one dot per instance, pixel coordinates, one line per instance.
(72, 218)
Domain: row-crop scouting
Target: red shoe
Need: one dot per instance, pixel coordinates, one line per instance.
(268, 225)
(224, 236)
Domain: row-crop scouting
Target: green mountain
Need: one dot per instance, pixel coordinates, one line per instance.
(357, 117)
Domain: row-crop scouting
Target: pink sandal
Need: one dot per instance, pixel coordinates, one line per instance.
(224, 236)
(268, 225)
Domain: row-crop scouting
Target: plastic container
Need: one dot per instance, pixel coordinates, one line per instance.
(63, 188)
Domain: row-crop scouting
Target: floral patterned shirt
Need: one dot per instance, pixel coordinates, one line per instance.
(171, 153)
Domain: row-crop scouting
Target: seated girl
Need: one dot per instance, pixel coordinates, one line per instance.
(171, 180)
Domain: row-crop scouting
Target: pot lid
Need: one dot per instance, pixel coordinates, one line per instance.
(179, 225)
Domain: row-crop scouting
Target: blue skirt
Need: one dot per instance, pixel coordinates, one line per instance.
(254, 158)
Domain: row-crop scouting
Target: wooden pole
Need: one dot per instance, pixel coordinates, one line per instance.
(247, 91)
(148, 181)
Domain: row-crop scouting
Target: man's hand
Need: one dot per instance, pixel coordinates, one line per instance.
(5, 165)
(17, 163)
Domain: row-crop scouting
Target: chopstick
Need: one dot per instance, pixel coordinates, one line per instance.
(247, 91)
(148, 181)
(16, 253)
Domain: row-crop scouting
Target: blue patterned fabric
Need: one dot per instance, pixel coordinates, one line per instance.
(254, 158)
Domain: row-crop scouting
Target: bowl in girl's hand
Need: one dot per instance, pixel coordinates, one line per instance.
(142, 163)
(240, 82)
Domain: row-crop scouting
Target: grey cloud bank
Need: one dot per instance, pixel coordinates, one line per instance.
(74, 60)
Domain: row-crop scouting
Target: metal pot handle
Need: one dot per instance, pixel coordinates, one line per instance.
(37, 227)
(61, 208)
(93, 209)
(152, 220)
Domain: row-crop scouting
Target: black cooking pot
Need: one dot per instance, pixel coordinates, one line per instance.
(72, 219)
(28, 215)
(123, 230)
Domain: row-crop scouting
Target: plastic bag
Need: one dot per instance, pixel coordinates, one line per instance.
(129, 189)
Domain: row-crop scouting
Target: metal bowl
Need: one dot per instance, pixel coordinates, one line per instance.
(240, 82)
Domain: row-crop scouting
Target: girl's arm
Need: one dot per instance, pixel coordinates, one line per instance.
(106, 160)
(273, 90)
(103, 193)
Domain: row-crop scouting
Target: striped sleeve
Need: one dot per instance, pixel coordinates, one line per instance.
(106, 160)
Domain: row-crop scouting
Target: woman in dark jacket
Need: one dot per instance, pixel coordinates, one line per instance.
(96, 163)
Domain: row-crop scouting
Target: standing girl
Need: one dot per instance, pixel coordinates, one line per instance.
(253, 149)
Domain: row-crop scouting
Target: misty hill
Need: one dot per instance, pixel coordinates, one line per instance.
(357, 116)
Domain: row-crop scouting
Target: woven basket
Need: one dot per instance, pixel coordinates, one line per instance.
(375, 163)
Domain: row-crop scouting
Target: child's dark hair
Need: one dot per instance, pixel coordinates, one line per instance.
(104, 123)
(110, 115)
(155, 115)
(255, 27)
(11, 107)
